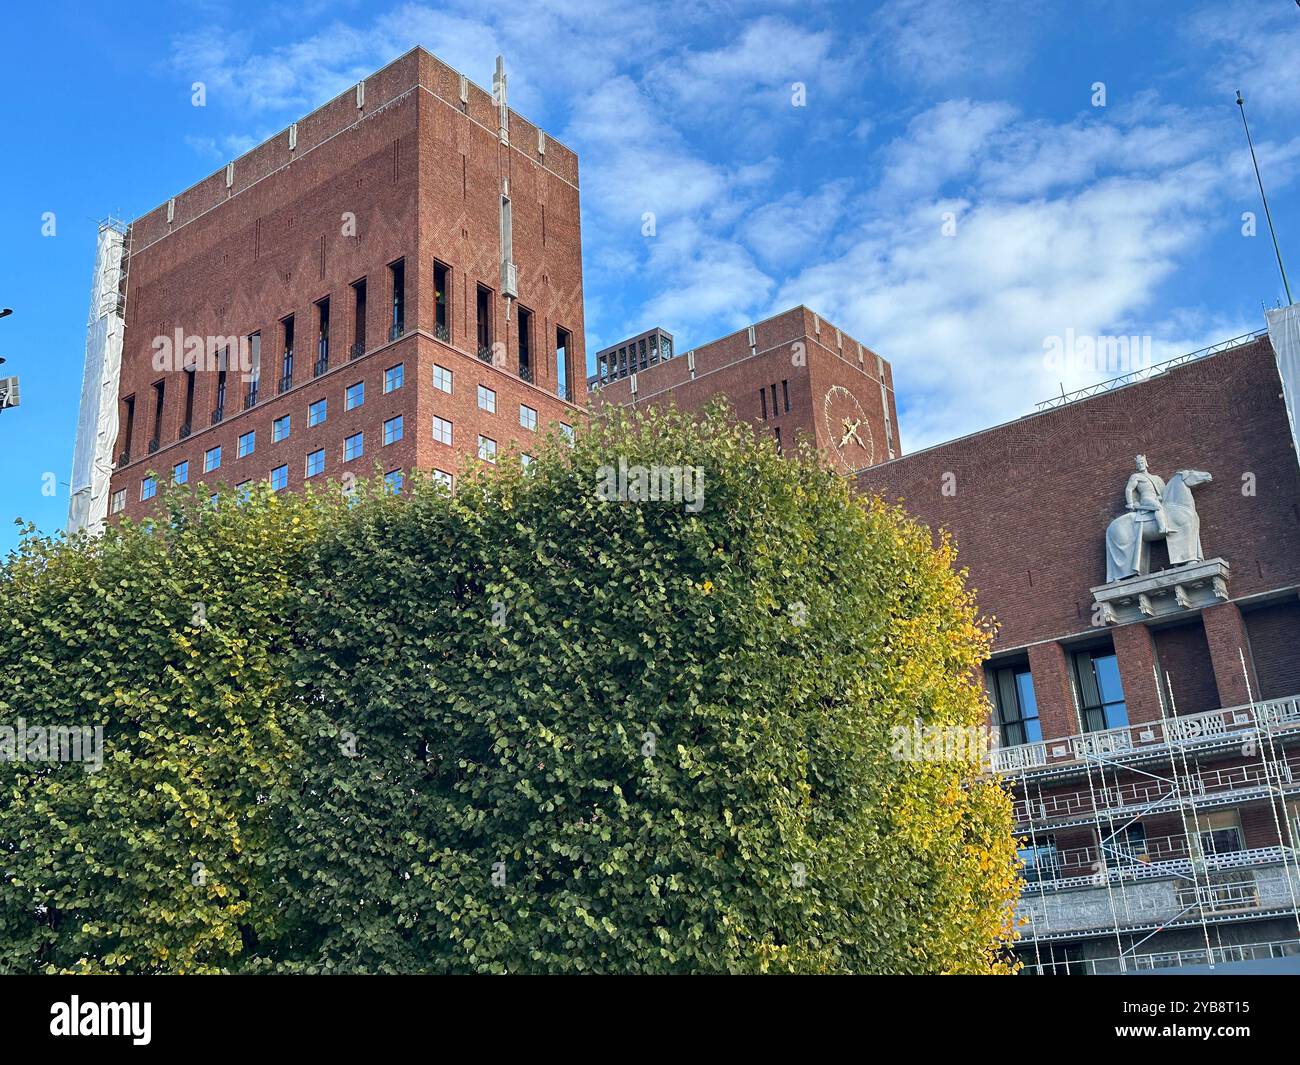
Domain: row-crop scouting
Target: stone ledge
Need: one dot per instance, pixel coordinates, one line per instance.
(1171, 591)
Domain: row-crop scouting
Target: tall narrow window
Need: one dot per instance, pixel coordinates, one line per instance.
(525, 318)
(129, 421)
(219, 411)
(785, 395)
(1016, 706)
(483, 305)
(286, 358)
(358, 318)
(254, 369)
(397, 278)
(562, 363)
(188, 424)
(322, 337)
(441, 311)
(1101, 694)
(762, 397)
(159, 392)
(775, 408)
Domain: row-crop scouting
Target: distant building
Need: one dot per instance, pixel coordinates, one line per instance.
(630, 356)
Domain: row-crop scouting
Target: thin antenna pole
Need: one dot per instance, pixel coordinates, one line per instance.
(1267, 213)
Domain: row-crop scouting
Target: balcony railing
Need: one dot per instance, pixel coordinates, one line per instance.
(1150, 736)
(1171, 959)
(322, 364)
(396, 330)
(153, 445)
(250, 397)
(357, 350)
(1068, 872)
(217, 414)
(442, 332)
(525, 372)
(286, 383)
(485, 353)
(186, 429)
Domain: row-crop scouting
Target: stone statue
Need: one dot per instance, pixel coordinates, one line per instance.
(1155, 511)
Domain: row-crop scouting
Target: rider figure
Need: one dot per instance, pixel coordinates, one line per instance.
(1145, 493)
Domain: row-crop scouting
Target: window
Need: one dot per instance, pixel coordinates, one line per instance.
(181, 472)
(442, 378)
(212, 459)
(562, 341)
(774, 408)
(255, 369)
(785, 395)
(1040, 860)
(188, 424)
(247, 442)
(441, 430)
(148, 488)
(527, 416)
(316, 412)
(393, 481)
(393, 378)
(443, 478)
(397, 279)
(354, 447)
(525, 320)
(441, 312)
(525, 461)
(392, 430)
(219, 411)
(1016, 706)
(279, 478)
(487, 449)
(1220, 832)
(1101, 695)
(118, 502)
(358, 318)
(487, 399)
(243, 490)
(129, 419)
(762, 397)
(567, 430)
(354, 396)
(316, 462)
(483, 305)
(777, 433)
(322, 336)
(286, 359)
(280, 429)
(159, 393)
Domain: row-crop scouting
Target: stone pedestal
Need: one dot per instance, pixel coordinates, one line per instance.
(1171, 591)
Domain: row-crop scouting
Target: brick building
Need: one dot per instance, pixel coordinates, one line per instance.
(394, 282)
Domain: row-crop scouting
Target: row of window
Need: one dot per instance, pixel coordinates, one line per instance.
(785, 399)
(1097, 684)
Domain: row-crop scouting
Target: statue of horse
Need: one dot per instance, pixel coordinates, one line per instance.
(1127, 554)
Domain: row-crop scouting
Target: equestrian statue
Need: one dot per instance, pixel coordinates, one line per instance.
(1155, 511)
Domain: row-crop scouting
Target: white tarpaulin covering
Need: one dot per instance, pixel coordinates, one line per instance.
(1284, 333)
(92, 460)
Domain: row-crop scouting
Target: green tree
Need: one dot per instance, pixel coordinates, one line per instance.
(525, 728)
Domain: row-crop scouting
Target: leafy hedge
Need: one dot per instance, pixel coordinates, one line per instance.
(521, 729)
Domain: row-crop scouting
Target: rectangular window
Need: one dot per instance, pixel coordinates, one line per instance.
(393, 481)
(1040, 860)
(442, 378)
(129, 421)
(118, 502)
(358, 318)
(393, 377)
(527, 416)
(442, 477)
(525, 320)
(392, 430)
(774, 406)
(316, 412)
(785, 395)
(762, 396)
(441, 430)
(487, 399)
(1101, 694)
(483, 308)
(487, 449)
(316, 462)
(354, 396)
(322, 336)
(1015, 706)
(247, 443)
(219, 411)
(525, 461)
(1220, 832)
(181, 472)
(441, 305)
(286, 358)
(779, 445)
(280, 429)
(354, 447)
(212, 459)
(562, 388)
(255, 369)
(159, 391)
(567, 430)
(148, 488)
(279, 478)
(188, 424)
(397, 279)
(243, 490)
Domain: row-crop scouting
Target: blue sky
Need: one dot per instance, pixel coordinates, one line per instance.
(948, 191)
